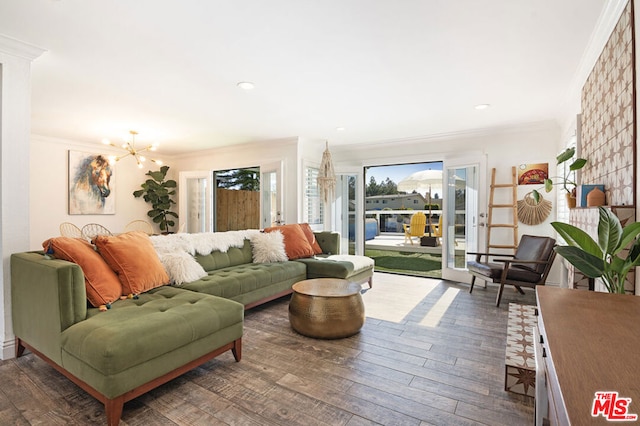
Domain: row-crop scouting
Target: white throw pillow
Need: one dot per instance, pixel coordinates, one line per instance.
(182, 267)
(268, 247)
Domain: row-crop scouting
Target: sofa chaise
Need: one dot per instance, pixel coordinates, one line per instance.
(146, 339)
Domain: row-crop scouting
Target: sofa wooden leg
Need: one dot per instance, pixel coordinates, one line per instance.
(370, 281)
(473, 281)
(113, 409)
(237, 350)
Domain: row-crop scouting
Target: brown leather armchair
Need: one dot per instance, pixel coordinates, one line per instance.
(529, 266)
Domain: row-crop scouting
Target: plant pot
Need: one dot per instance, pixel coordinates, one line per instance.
(571, 201)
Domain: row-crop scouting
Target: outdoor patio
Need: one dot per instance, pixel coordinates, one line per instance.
(396, 241)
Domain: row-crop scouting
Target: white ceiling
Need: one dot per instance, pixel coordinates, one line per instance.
(381, 69)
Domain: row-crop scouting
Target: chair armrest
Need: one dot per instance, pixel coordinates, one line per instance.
(47, 297)
(533, 262)
(479, 255)
(491, 254)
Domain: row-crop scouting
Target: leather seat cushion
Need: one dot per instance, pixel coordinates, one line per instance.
(493, 271)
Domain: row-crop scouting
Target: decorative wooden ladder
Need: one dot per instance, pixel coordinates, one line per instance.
(513, 206)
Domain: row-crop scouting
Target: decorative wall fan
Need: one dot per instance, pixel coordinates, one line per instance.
(531, 212)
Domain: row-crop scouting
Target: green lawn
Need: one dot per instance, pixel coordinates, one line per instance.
(422, 264)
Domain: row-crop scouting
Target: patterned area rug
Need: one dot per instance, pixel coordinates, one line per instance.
(520, 372)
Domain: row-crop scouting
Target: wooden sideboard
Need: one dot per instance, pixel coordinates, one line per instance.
(590, 342)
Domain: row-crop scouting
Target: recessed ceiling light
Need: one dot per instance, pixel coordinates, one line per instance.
(340, 129)
(482, 106)
(246, 85)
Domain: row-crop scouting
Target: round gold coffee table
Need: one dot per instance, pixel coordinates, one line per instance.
(326, 308)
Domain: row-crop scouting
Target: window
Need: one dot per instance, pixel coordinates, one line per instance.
(313, 209)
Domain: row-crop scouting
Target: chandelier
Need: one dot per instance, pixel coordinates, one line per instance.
(130, 147)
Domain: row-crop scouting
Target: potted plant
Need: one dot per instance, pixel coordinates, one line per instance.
(567, 184)
(158, 192)
(604, 258)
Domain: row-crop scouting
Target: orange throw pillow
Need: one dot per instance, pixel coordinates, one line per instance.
(296, 244)
(102, 284)
(134, 260)
(308, 232)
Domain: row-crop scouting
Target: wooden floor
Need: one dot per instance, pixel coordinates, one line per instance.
(430, 353)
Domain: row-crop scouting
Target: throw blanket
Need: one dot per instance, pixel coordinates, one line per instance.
(176, 251)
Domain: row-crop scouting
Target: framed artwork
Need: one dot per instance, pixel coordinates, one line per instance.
(533, 174)
(91, 189)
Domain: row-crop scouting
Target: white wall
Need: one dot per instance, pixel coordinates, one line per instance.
(49, 189)
(15, 116)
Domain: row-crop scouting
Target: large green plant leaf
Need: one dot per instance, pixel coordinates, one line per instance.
(633, 258)
(609, 230)
(576, 237)
(565, 155)
(578, 164)
(629, 233)
(586, 263)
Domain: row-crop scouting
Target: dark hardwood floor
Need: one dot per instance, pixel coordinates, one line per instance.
(430, 353)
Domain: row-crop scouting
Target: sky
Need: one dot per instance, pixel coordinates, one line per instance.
(398, 172)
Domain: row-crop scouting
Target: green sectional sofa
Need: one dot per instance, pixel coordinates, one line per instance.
(144, 341)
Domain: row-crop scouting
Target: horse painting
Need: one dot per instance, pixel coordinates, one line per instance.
(90, 190)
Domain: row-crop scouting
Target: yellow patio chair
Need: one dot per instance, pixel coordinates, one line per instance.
(436, 230)
(416, 227)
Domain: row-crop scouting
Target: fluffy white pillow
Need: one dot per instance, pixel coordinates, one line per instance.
(268, 247)
(181, 267)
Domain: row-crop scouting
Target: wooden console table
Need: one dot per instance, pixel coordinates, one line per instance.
(591, 343)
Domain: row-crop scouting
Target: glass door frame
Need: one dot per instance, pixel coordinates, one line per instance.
(473, 218)
(183, 206)
(268, 169)
(341, 215)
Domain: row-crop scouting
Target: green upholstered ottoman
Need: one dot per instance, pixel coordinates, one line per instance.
(121, 353)
(358, 269)
(140, 339)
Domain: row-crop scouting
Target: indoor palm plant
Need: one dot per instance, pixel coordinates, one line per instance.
(567, 184)
(604, 258)
(158, 192)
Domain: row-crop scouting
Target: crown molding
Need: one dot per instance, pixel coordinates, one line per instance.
(12, 46)
(604, 27)
(609, 18)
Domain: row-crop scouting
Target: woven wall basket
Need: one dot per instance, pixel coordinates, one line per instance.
(532, 213)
